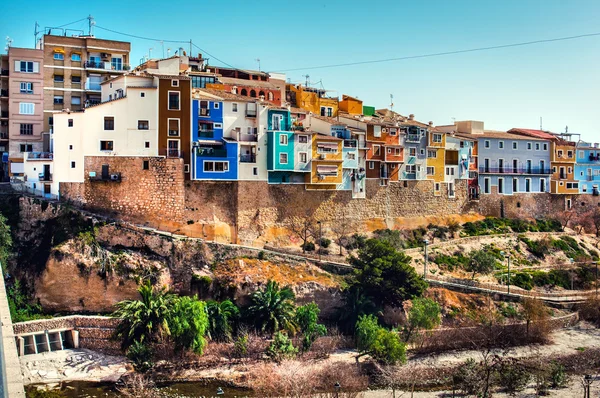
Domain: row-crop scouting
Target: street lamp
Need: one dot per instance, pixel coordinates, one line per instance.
(320, 238)
(337, 389)
(571, 261)
(426, 242)
(586, 382)
(507, 257)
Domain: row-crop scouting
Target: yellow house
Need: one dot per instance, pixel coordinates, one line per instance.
(312, 99)
(351, 105)
(436, 157)
(327, 157)
(562, 160)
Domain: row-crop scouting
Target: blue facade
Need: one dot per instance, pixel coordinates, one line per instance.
(350, 156)
(279, 119)
(587, 169)
(512, 165)
(213, 157)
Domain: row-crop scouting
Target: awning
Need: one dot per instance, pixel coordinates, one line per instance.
(59, 50)
(210, 142)
(328, 146)
(327, 170)
(17, 168)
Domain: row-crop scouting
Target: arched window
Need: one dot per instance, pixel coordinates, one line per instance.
(253, 93)
(244, 92)
(270, 96)
(261, 94)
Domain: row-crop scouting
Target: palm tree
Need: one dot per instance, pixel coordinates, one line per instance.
(146, 319)
(273, 308)
(220, 319)
(356, 303)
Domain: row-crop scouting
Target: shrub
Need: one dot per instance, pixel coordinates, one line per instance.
(356, 241)
(512, 376)
(383, 345)
(281, 348)
(522, 280)
(141, 355)
(240, 346)
(325, 243)
(262, 255)
(307, 317)
(558, 377)
(308, 246)
(468, 378)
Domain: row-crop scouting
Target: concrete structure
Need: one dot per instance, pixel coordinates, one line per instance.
(21, 108)
(74, 67)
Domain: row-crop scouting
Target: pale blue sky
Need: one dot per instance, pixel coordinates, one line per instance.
(506, 88)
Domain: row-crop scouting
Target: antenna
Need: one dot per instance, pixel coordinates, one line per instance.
(307, 80)
(392, 102)
(91, 24)
(566, 129)
(541, 123)
(8, 43)
(168, 52)
(150, 52)
(35, 33)
(258, 60)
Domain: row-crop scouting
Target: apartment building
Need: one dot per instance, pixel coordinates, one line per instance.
(587, 168)
(74, 67)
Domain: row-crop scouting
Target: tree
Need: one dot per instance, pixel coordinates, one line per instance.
(5, 241)
(220, 319)
(188, 322)
(303, 226)
(281, 347)
(424, 314)
(481, 262)
(146, 319)
(273, 308)
(595, 219)
(382, 345)
(534, 311)
(355, 304)
(385, 275)
(307, 317)
(341, 227)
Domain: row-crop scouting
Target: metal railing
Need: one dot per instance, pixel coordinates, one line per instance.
(514, 170)
(593, 178)
(105, 66)
(171, 153)
(40, 155)
(413, 138)
(211, 152)
(206, 133)
(248, 158)
(244, 137)
(3, 135)
(350, 144)
(45, 177)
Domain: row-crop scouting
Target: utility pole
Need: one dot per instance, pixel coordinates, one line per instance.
(91, 24)
(258, 60)
(320, 238)
(190, 48)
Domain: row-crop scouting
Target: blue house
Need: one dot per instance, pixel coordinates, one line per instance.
(587, 168)
(288, 152)
(214, 157)
(511, 163)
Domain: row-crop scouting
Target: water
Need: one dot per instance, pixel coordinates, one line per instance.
(170, 390)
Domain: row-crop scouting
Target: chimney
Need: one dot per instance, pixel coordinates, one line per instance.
(430, 123)
(596, 145)
(411, 117)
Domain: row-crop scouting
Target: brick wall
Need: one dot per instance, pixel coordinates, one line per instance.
(153, 194)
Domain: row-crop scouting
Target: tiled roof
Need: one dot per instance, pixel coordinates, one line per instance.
(505, 135)
(444, 129)
(294, 109)
(224, 95)
(545, 135)
(247, 83)
(331, 120)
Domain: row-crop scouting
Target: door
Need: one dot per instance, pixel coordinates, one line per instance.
(173, 149)
(277, 119)
(529, 166)
(515, 166)
(500, 165)
(486, 165)
(543, 185)
(542, 166)
(46, 189)
(105, 174)
(47, 172)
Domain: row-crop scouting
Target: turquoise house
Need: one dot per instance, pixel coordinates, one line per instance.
(587, 168)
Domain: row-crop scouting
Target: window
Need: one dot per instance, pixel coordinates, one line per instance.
(116, 63)
(26, 108)
(283, 158)
(397, 151)
(412, 151)
(270, 96)
(393, 132)
(486, 185)
(560, 153)
(147, 144)
(500, 144)
(58, 99)
(371, 165)
(302, 139)
(283, 140)
(217, 125)
(327, 148)
(146, 165)
(255, 171)
(200, 81)
(76, 57)
(569, 204)
(515, 145)
(70, 147)
(486, 144)
(70, 122)
(529, 146)
(431, 154)
(449, 171)
(329, 112)
(528, 185)
(437, 138)
(500, 185)
(173, 127)
(572, 185)
(59, 56)
(59, 79)
(173, 100)
(219, 167)
(569, 170)
(303, 157)
(27, 66)
(109, 123)
(26, 129)
(216, 105)
(569, 154)
(72, 165)
(106, 145)
(376, 150)
(389, 150)
(515, 185)
(581, 154)
(186, 168)
(437, 186)
(26, 147)
(352, 156)
(545, 146)
(142, 94)
(430, 171)
(234, 107)
(26, 88)
(537, 146)
(422, 151)
(75, 100)
(143, 125)
(174, 83)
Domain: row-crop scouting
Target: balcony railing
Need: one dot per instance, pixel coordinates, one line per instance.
(206, 133)
(40, 155)
(204, 112)
(171, 153)
(244, 137)
(593, 158)
(211, 152)
(350, 144)
(4, 114)
(105, 66)
(93, 86)
(247, 158)
(3, 93)
(297, 128)
(413, 138)
(513, 170)
(45, 176)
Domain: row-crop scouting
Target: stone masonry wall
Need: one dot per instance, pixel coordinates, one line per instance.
(153, 195)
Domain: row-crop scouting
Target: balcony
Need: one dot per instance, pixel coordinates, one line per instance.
(593, 158)
(171, 153)
(3, 93)
(211, 152)
(92, 86)
(245, 137)
(4, 72)
(409, 176)
(513, 170)
(47, 177)
(204, 112)
(206, 134)
(40, 156)
(413, 138)
(247, 158)
(105, 66)
(4, 114)
(114, 177)
(350, 144)
(297, 128)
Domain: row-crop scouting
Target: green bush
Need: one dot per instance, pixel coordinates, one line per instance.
(308, 246)
(512, 376)
(356, 241)
(508, 311)
(539, 248)
(262, 255)
(281, 348)
(558, 375)
(325, 243)
(240, 346)
(141, 355)
(383, 345)
(522, 280)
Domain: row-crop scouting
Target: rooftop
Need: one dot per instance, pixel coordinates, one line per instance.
(504, 135)
(247, 83)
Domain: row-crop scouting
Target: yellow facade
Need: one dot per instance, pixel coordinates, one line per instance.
(436, 143)
(562, 161)
(327, 158)
(352, 105)
(312, 102)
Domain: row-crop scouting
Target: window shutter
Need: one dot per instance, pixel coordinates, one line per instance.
(36, 67)
(17, 66)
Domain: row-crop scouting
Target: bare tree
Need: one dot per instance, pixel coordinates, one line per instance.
(303, 226)
(595, 219)
(565, 217)
(341, 227)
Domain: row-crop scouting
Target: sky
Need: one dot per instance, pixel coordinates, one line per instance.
(505, 88)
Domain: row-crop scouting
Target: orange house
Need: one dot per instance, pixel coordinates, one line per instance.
(351, 105)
